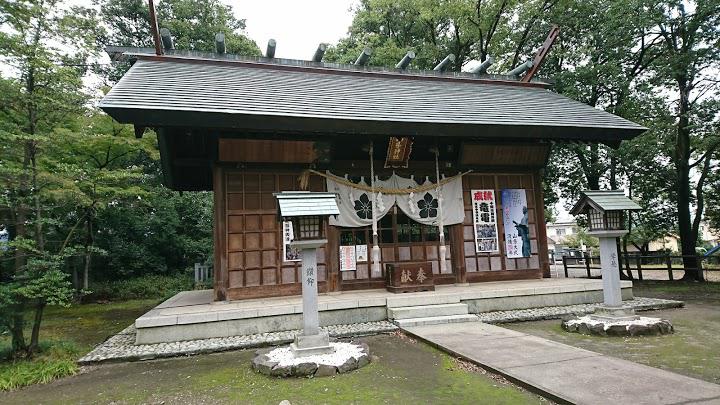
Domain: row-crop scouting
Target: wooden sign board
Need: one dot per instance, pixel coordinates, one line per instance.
(398, 153)
(409, 277)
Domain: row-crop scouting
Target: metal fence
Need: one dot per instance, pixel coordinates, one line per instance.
(641, 267)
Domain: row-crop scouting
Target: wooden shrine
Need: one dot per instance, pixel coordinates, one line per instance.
(247, 128)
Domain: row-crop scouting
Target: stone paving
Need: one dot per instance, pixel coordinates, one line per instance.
(563, 373)
(122, 347)
(538, 314)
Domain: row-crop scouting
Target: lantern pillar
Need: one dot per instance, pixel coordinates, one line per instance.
(312, 341)
(610, 271)
(308, 211)
(609, 260)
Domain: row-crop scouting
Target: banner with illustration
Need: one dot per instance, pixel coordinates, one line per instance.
(515, 221)
(484, 221)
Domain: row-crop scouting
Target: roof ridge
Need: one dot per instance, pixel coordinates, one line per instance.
(261, 62)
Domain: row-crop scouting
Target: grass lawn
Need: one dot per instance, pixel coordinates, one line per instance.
(405, 372)
(65, 335)
(693, 350)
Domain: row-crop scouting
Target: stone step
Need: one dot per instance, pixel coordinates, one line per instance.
(427, 311)
(435, 320)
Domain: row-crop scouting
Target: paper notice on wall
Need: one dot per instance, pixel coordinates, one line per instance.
(515, 221)
(348, 260)
(484, 220)
(290, 253)
(361, 253)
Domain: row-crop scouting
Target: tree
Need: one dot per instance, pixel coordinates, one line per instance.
(47, 46)
(432, 29)
(192, 23)
(691, 51)
(101, 158)
(580, 239)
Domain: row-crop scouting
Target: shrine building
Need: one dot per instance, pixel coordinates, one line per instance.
(424, 164)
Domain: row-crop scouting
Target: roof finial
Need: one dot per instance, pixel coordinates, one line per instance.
(270, 52)
(364, 57)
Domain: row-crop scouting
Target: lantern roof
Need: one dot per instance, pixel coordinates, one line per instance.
(604, 200)
(306, 203)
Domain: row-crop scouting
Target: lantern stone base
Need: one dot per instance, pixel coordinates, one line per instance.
(281, 362)
(614, 314)
(311, 345)
(618, 326)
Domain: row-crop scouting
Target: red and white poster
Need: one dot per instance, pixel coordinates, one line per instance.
(484, 220)
(348, 259)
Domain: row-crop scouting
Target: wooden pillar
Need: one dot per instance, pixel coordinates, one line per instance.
(332, 260)
(457, 253)
(220, 283)
(540, 222)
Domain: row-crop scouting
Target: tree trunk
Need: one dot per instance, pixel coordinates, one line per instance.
(35, 337)
(16, 329)
(86, 270)
(21, 232)
(88, 255)
(76, 281)
(688, 240)
(623, 276)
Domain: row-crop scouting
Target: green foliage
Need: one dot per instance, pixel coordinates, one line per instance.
(580, 238)
(162, 233)
(192, 23)
(144, 287)
(433, 29)
(54, 360)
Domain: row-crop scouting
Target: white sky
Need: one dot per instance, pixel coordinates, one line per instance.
(297, 26)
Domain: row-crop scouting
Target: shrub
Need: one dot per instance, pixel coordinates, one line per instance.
(55, 360)
(149, 286)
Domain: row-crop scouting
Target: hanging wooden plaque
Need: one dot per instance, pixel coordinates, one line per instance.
(398, 153)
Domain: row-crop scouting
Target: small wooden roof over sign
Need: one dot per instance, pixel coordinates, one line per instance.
(604, 200)
(305, 203)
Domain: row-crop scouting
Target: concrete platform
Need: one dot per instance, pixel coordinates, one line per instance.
(193, 315)
(564, 373)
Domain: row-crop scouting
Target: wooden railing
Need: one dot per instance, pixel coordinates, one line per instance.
(638, 263)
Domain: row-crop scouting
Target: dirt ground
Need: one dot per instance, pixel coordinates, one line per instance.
(405, 372)
(693, 350)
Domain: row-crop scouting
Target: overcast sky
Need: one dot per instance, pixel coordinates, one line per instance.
(297, 26)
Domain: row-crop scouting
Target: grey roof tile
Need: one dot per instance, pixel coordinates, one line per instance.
(153, 87)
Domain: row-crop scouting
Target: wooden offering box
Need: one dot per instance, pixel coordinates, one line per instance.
(409, 277)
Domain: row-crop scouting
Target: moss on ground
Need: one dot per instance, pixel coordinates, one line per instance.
(405, 372)
(65, 335)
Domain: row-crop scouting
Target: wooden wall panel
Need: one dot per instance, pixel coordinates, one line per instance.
(488, 155)
(476, 263)
(252, 242)
(265, 151)
(250, 236)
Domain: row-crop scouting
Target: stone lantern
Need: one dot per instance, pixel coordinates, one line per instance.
(308, 213)
(605, 211)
